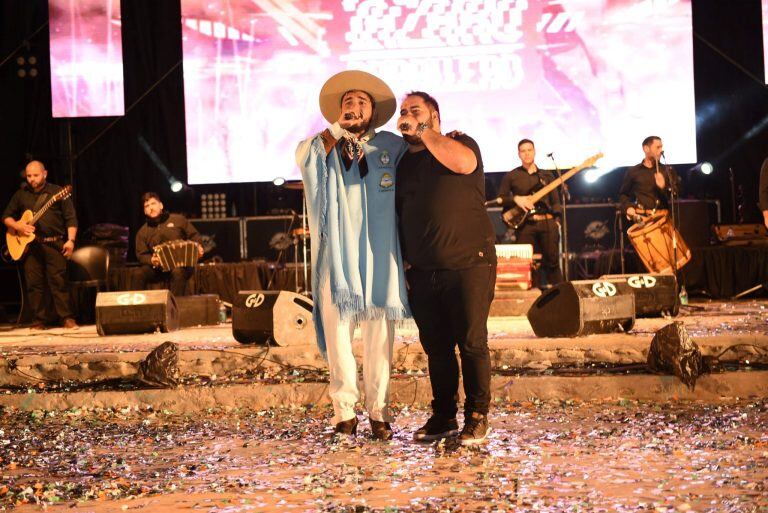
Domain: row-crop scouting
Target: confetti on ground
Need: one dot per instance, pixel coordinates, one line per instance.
(555, 456)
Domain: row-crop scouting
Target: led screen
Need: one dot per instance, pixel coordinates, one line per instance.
(765, 38)
(577, 76)
(86, 58)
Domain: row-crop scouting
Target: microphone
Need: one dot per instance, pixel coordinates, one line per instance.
(549, 155)
(662, 154)
(495, 201)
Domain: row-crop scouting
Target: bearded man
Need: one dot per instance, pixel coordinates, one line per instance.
(349, 180)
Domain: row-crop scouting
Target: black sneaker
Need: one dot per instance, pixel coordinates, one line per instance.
(436, 428)
(381, 430)
(475, 430)
(346, 427)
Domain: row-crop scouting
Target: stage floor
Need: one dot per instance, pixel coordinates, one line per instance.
(577, 425)
(71, 362)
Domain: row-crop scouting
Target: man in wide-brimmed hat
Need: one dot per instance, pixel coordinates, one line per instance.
(357, 274)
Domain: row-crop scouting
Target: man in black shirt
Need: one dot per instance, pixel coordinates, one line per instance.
(644, 185)
(46, 258)
(541, 228)
(162, 227)
(448, 242)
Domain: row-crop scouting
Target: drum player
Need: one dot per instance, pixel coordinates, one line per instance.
(161, 227)
(644, 188)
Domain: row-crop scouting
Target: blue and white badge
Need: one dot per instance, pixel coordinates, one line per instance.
(386, 181)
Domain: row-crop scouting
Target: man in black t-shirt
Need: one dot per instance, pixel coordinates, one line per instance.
(541, 228)
(162, 227)
(448, 242)
(45, 262)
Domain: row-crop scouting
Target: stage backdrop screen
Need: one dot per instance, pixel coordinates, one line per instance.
(577, 76)
(765, 38)
(86, 58)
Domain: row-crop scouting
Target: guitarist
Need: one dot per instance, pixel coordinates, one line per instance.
(46, 258)
(541, 228)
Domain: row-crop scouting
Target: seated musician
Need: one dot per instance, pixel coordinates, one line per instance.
(644, 188)
(163, 227)
(541, 229)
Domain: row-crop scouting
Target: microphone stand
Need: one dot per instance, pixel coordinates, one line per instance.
(672, 188)
(564, 225)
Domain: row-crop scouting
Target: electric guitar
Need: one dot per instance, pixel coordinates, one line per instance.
(516, 216)
(17, 242)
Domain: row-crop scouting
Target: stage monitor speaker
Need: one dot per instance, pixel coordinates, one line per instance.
(655, 294)
(577, 308)
(259, 316)
(136, 311)
(199, 310)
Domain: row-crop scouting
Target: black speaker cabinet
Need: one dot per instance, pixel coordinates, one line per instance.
(592, 227)
(272, 237)
(199, 310)
(136, 311)
(655, 294)
(576, 308)
(259, 316)
(222, 239)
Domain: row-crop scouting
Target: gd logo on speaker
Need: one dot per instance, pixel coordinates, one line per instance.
(254, 300)
(131, 299)
(604, 289)
(641, 282)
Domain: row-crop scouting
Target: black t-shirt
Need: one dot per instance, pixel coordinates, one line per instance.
(442, 217)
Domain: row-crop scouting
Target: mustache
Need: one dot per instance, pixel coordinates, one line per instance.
(348, 116)
(404, 126)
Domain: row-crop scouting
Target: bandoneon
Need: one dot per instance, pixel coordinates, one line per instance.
(513, 270)
(177, 253)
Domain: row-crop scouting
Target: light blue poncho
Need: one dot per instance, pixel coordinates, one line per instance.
(354, 228)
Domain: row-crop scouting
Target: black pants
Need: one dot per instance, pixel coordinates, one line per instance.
(45, 265)
(545, 237)
(176, 280)
(450, 308)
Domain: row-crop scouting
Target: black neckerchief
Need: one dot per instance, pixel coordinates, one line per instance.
(159, 220)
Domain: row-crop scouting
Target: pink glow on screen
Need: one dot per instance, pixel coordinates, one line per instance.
(86, 58)
(576, 76)
(765, 38)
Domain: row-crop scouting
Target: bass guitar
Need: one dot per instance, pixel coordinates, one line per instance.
(18, 242)
(516, 216)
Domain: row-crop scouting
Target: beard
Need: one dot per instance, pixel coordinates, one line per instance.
(360, 125)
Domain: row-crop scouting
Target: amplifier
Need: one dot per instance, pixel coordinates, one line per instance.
(273, 237)
(741, 234)
(222, 239)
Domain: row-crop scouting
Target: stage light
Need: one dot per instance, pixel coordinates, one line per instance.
(706, 168)
(591, 175)
(176, 186)
(279, 181)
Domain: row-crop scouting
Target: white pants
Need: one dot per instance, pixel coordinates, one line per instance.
(378, 338)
